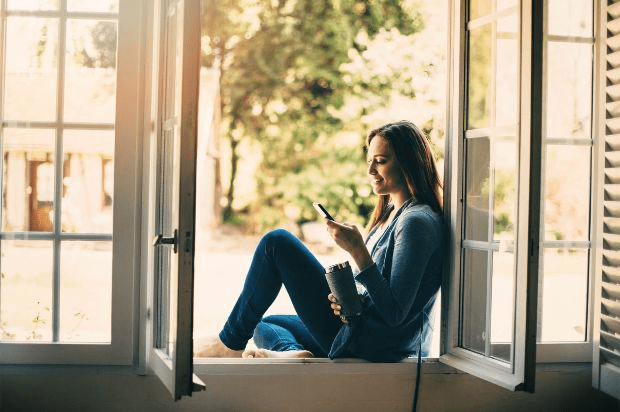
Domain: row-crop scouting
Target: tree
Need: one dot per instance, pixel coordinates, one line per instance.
(289, 69)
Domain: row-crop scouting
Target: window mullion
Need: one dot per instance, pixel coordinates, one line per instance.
(59, 169)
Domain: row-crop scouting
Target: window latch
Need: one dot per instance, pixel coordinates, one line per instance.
(166, 240)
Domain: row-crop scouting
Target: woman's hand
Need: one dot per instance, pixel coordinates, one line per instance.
(349, 238)
(336, 307)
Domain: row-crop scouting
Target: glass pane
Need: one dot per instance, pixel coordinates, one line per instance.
(505, 193)
(32, 5)
(569, 93)
(506, 4)
(91, 66)
(477, 189)
(31, 69)
(165, 260)
(28, 180)
(479, 8)
(93, 5)
(171, 69)
(88, 182)
(564, 295)
(567, 188)
(85, 292)
(507, 73)
(26, 291)
(570, 17)
(475, 266)
(480, 69)
(502, 304)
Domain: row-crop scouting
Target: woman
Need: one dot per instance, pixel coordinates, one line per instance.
(399, 270)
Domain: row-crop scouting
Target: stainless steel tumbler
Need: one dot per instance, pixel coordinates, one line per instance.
(342, 285)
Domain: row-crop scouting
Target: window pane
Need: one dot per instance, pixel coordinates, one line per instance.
(569, 93)
(502, 304)
(479, 8)
(567, 188)
(480, 66)
(31, 69)
(28, 180)
(91, 67)
(88, 182)
(32, 5)
(93, 5)
(506, 4)
(26, 291)
(477, 213)
(475, 266)
(507, 73)
(570, 17)
(505, 193)
(564, 295)
(85, 291)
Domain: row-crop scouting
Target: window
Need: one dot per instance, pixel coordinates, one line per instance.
(171, 192)
(565, 257)
(64, 281)
(535, 223)
(489, 199)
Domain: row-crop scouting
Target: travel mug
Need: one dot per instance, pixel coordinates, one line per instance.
(342, 285)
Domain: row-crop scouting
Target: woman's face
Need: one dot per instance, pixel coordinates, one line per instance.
(385, 173)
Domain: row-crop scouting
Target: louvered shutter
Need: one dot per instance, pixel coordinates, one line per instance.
(606, 359)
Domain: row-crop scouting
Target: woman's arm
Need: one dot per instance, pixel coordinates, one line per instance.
(417, 236)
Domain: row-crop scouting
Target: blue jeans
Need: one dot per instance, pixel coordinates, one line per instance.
(281, 259)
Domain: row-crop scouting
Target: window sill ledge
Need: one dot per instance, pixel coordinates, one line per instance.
(347, 366)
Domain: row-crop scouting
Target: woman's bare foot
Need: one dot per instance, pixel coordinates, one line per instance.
(266, 353)
(213, 347)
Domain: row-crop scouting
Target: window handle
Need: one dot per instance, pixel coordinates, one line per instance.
(163, 240)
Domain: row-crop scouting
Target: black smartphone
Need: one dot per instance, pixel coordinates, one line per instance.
(319, 208)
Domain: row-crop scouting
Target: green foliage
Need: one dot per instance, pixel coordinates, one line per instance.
(297, 77)
(504, 195)
(480, 60)
(503, 223)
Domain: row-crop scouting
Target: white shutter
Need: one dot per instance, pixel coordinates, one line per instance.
(606, 359)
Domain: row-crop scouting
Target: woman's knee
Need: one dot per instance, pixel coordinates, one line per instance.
(277, 238)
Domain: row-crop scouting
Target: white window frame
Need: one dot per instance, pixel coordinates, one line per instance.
(520, 375)
(554, 352)
(126, 210)
(545, 352)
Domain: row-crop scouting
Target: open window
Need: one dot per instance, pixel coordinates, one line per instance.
(491, 307)
(533, 190)
(172, 169)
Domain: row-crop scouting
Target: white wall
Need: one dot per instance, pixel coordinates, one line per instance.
(558, 389)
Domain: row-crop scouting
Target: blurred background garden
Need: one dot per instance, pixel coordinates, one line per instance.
(289, 90)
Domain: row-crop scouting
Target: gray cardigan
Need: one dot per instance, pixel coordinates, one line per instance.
(400, 289)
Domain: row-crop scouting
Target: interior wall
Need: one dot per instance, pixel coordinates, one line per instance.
(556, 390)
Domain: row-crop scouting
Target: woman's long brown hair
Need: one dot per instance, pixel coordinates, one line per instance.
(417, 164)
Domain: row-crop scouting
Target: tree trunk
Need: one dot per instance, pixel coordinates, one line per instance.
(230, 196)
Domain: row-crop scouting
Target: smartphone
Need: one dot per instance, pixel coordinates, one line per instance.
(319, 208)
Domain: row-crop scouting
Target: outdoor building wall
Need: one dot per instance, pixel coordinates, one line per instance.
(15, 214)
(557, 389)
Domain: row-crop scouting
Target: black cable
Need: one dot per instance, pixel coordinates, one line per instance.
(417, 375)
